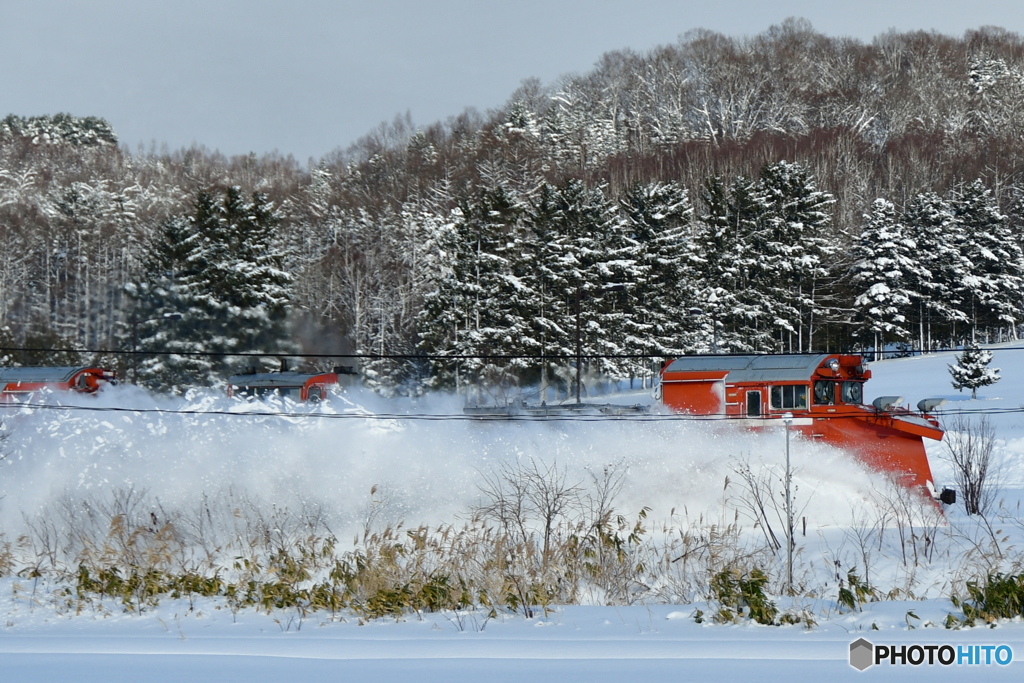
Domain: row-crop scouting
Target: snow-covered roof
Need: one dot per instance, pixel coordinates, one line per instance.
(273, 379)
(38, 374)
(779, 368)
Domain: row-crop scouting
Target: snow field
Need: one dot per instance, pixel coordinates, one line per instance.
(426, 472)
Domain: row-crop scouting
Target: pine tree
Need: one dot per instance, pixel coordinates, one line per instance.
(883, 258)
(757, 308)
(479, 306)
(214, 283)
(251, 280)
(971, 370)
(590, 257)
(74, 130)
(664, 269)
(168, 315)
(796, 244)
(996, 262)
(503, 300)
(541, 251)
(719, 274)
(444, 312)
(940, 266)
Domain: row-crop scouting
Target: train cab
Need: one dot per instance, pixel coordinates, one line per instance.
(821, 395)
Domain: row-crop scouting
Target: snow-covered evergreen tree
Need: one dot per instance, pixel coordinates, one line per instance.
(168, 317)
(795, 243)
(541, 252)
(479, 306)
(59, 128)
(245, 273)
(502, 301)
(940, 266)
(758, 310)
(972, 371)
(664, 263)
(993, 285)
(723, 267)
(591, 256)
(445, 308)
(220, 270)
(883, 258)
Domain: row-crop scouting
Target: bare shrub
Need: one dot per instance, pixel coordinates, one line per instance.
(864, 533)
(757, 500)
(761, 496)
(969, 446)
(517, 496)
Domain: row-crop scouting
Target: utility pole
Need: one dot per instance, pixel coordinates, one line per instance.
(788, 419)
(579, 353)
(135, 344)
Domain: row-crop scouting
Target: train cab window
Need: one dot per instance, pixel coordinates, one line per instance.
(789, 397)
(824, 393)
(315, 394)
(853, 393)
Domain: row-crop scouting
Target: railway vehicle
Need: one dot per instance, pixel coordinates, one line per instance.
(820, 395)
(298, 386)
(18, 383)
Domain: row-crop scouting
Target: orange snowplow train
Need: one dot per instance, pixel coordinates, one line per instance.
(824, 394)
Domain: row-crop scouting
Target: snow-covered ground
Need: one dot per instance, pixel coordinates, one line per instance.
(428, 472)
(645, 643)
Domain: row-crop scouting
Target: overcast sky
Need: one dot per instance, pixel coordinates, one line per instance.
(306, 76)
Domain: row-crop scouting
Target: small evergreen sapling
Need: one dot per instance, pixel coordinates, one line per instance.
(971, 370)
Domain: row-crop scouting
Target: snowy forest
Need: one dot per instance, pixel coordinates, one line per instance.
(785, 192)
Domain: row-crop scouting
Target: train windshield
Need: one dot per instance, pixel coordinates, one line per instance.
(853, 393)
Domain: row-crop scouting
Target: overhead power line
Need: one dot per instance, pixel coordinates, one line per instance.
(461, 417)
(371, 356)
(442, 356)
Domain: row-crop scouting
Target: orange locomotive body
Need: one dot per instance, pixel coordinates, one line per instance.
(823, 393)
(18, 383)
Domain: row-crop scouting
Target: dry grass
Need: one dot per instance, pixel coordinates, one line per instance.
(536, 539)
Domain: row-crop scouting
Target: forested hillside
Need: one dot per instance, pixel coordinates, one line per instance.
(787, 191)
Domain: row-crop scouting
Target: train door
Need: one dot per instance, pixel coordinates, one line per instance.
(753, 404)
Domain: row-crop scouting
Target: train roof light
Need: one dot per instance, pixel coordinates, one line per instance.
(927, 405)
(887, 402)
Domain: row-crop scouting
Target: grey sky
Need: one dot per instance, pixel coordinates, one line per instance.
(306, 76)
